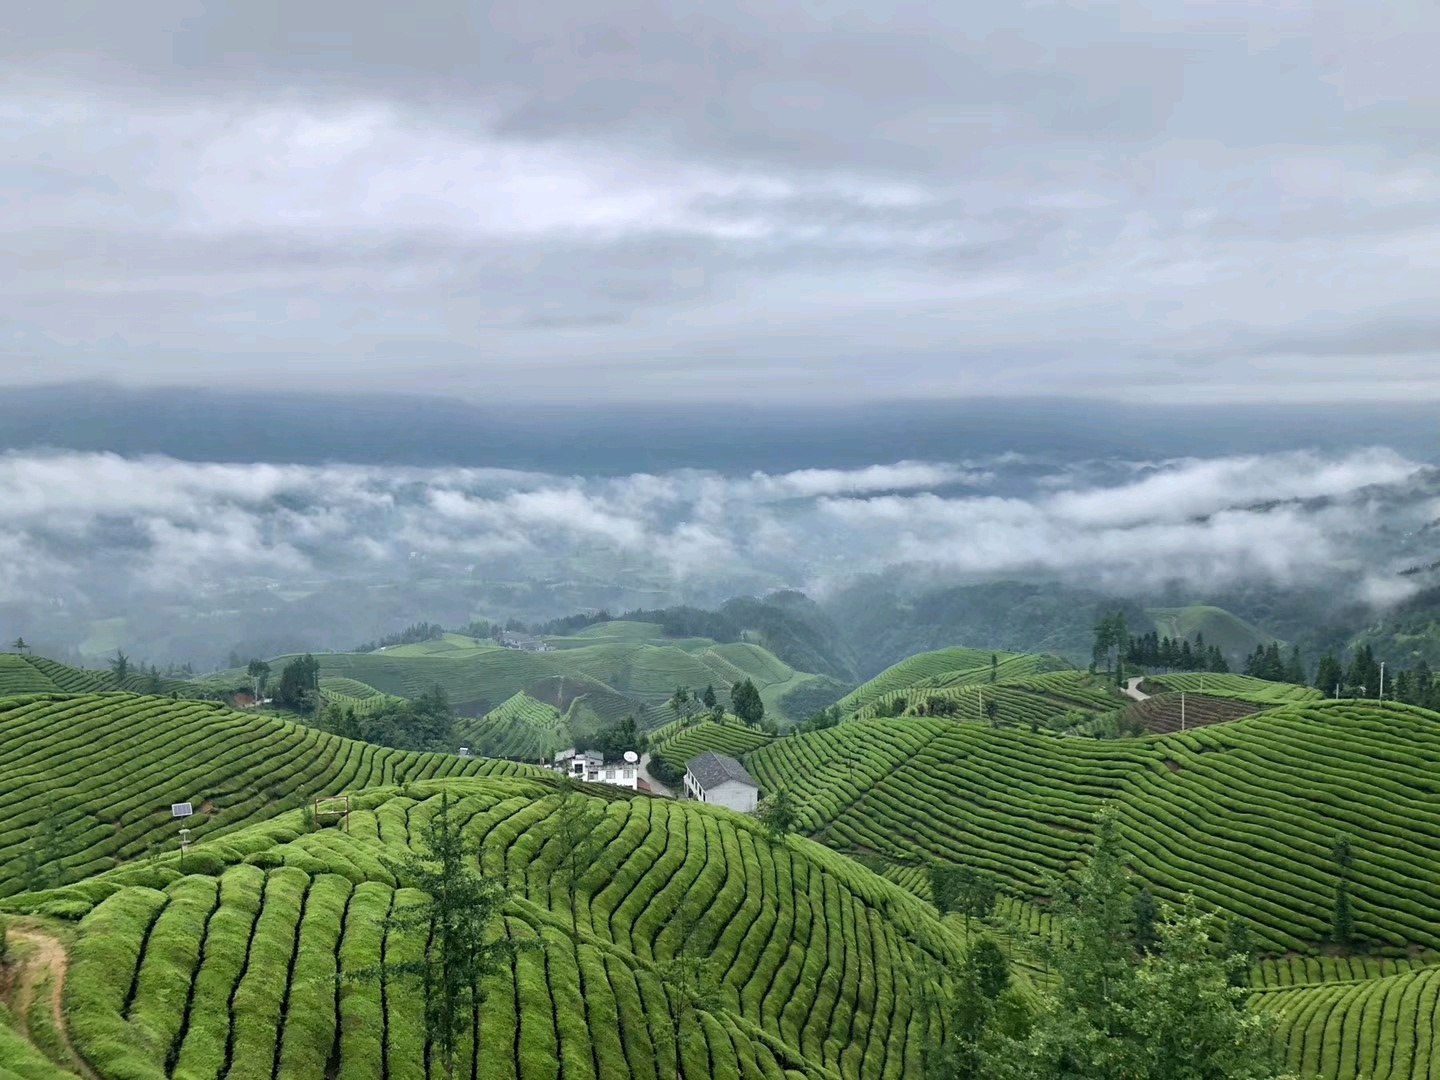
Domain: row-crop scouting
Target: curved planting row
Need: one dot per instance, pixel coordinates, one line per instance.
(520, 728)
(88, 780)
(1380, 1029)
(1013, 703)
(730, 737)
(1166, 713)
(1242, 687)
(22, 673)
(1244, 815)
(822, 969)
(945, 666)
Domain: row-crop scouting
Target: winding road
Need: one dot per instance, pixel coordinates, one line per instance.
(1132, 688)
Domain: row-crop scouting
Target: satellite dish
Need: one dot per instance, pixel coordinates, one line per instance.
(631, 756)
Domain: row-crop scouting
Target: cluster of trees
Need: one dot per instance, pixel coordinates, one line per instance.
(1267, 662)
(615, 740)
(1412, 686)
(1111, 639)
(411, 635)
(1175, 654)
(964, 890)
(820, 721)
(424, 723)
(1141, 992)
(299, 685)
(685, 703)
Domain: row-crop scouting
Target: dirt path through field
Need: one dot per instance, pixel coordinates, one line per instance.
(47, 955)
(1132, 688)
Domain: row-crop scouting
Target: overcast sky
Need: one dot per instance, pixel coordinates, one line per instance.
(667, 201)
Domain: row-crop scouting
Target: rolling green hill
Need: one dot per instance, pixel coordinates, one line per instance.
(1235, 637)
(101, 771)
(948, 667)
(515, 703)
(24, 673)
(1242, 814)
(229, 970)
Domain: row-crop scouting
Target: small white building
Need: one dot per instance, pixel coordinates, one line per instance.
(590, 765)
(720, 779)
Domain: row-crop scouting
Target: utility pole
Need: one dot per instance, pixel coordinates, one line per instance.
(1382, 680)
(1182, 710)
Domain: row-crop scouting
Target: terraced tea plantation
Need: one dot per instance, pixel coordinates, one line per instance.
(520, 728)
(1244, 814)
(23, 673)
(619, 673)
(731, 737)
(230, 972)
(948, 667)
(90, 778)
(1165, 713)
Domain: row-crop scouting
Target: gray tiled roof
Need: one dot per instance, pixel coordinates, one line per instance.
(711, 769)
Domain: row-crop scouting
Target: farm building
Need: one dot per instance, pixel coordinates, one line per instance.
(720, 779)
(590, 765)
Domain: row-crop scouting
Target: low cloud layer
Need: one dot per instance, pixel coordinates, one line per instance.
(89, 533)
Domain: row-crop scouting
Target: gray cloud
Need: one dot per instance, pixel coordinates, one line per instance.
(661, 201)
(89, 525)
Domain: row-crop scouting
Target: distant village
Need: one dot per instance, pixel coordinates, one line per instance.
(524, 642)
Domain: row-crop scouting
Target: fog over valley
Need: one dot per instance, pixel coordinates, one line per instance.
(197, 559)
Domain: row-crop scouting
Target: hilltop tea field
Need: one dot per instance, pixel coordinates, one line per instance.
(248, 956)
(227, 968)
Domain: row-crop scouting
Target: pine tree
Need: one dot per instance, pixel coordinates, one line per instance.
(1330, 676)
(455, 916)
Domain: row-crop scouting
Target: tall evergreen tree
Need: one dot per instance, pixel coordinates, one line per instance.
(746, 704)
(455, 918)
(1330, 677)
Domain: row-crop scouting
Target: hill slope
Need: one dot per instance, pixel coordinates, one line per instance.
(479, 676)
(1244, 814)
(87, 780)
(25, 673)
(230, 971)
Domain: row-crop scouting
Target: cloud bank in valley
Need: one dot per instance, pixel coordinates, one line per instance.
(81, 524)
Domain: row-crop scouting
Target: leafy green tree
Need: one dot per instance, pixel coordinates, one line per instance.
(1169, 1015)
(992, 711)
(455, 916)
(779, 814)
(964, 891)
(299, 686)
(1295, 667)
(680, 702)
(708, 698)
(20, 645)
(1145, 911)
(1238, 944)
(259, 672)
(426, 723)
(1188, 1019)
(746, 704)
(994, 668)
(972, 1030)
